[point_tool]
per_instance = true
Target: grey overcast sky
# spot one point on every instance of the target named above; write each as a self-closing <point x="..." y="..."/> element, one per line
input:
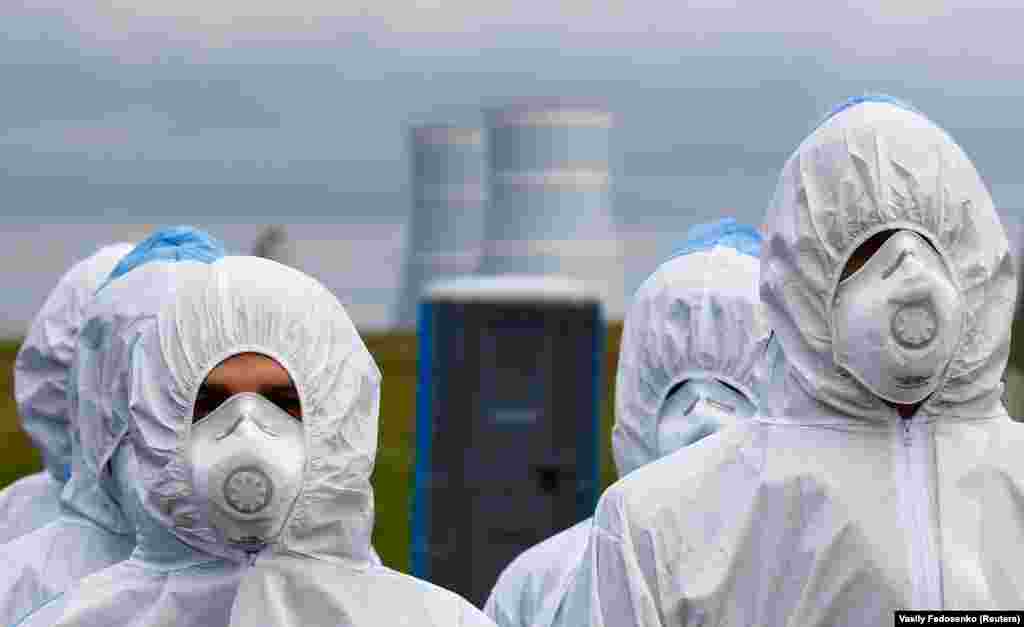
<point x="120" y="115"/>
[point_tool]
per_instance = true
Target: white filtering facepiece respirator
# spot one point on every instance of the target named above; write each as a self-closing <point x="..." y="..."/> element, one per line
<point x="247" y="459"/>
<point x="697" y="408"/>
<point x="897" y="320"/>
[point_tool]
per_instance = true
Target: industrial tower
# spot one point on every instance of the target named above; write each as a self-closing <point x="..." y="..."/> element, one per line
<point x="550" y="202"/>
<point x="448" y="209"/>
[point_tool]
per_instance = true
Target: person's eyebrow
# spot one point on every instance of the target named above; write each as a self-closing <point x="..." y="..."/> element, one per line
<point x="284" y="389"/>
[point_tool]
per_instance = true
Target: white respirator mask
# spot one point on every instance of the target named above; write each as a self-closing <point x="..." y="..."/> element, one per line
<point x="695" y="410"/>
<point x="897" y="320"/>
<point x="247" y="460"/>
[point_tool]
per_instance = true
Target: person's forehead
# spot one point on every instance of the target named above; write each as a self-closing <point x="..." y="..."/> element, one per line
<point x="248" y="367"/>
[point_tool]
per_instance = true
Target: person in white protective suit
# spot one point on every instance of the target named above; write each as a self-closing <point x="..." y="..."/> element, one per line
<point x="254" y="411"/>
<point x="885" y="473"/>
<point x="691" y="360"/>
<point x="42" y="371"/>
<point x="94" y="529"/>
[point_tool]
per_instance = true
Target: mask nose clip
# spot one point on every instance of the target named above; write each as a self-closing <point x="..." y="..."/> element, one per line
<point x="906" y="257"/>
<point x="247" y="413"/>
<point x="231" y="428"/>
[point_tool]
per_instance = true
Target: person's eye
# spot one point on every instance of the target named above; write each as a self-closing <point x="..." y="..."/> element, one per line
<point x="205" y="403"/>
<point x="289" y="405"/>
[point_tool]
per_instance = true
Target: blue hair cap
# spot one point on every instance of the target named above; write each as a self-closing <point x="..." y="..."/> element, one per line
<point x="175" y="243"/>
<point x="724" y="232"/>
<point x="856" y="100"/>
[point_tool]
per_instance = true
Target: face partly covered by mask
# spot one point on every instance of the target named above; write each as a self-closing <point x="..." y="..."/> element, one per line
<point x="897" y="318"/>
<point x="853" y="339"/>
<point x="697" y="408"/>
<point x="247" y="448"/>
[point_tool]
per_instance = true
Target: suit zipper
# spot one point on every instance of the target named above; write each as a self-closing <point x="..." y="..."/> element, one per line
<point x="915" y="491"/>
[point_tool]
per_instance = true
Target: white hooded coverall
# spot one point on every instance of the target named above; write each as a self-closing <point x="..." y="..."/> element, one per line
<point x="830" y="509"/>
<point x="42" y="371"/>
<point x="671" y="334"/>
<point x="95" y="529"/>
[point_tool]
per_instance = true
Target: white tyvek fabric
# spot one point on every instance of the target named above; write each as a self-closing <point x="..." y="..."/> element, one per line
<point x="28" y="504"/>
<point x="830" y="510"/>
<point x="531" y="588"/>
<point x="42" y="368"/>
<point x="93" y="531"/>
<point x="287" y="589"/>
<point x="248" y="304"/>
<point x="182" y="573"/>
<point x="320" y="572"/>
<point x="698" y="316"/>
<point x="856" y="176"/>
<point x="42" y="371"/>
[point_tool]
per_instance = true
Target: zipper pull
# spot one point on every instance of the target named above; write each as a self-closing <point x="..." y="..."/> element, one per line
<point x="906" y="431"/>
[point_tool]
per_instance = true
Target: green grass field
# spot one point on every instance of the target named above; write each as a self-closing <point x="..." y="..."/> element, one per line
<point x="395" y="353"/>
<point x="19" y="456"/>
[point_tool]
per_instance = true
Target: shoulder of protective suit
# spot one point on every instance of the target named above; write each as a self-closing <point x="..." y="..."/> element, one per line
<point x="645" y="493"/>
<point x="538" y="571"/>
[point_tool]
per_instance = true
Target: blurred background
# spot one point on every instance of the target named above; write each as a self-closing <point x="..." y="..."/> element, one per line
<point x="284" y="128"/>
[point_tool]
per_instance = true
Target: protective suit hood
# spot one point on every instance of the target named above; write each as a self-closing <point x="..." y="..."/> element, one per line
<point x="42" y="369"/>
<point x="300" y="325"/>
<point x="870" y="167"/>
<point x="698" y="316"/>
<point x="320" y="570"/>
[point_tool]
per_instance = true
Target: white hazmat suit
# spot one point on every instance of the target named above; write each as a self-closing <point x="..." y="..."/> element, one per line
<point x="831" y="509"/>
<point x="321" y="569"/>
<point x="694" y="323"/>
<point x="42" y="371"/>
<point x="95" y="528"/>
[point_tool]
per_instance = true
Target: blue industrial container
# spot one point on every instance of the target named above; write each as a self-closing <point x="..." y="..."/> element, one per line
<point x="508" y="410"/>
